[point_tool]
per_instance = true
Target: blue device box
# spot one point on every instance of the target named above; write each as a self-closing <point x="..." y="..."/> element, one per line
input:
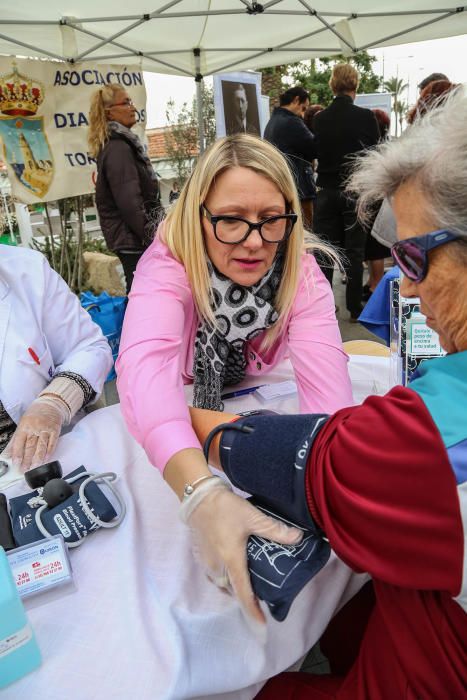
<point x="19" y="653"/>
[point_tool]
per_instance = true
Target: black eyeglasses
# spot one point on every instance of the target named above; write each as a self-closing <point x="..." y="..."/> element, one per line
<point x="233" y="229"/>
<point x="412" y="254"/>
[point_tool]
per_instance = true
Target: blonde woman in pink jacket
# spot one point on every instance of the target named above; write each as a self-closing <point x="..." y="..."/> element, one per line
<point x="226" y="290"/>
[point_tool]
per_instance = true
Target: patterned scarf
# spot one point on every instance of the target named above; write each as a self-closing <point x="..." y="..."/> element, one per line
<point x="242" y="313"/>
<point x="128" y="135"/>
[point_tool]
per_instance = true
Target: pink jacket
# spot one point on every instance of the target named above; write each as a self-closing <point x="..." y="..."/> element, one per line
<point x="156" y="352"/>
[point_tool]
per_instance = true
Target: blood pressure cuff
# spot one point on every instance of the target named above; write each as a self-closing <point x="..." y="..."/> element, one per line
<point x="266" y="456"/>
<point x="67" y="519"/>
<point x="269" y="461"/>
<point x="279" y="572"/>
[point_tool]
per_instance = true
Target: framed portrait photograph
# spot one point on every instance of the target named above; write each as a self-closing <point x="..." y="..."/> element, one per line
<point x="237" y="103"/>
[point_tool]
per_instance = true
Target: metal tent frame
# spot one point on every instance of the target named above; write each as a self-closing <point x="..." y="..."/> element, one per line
<point x="197" y="53"/>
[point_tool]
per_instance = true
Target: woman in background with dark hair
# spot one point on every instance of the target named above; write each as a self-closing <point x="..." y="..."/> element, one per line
<point x="384" y="123"/>
<point x="310" y="114"/>
<point x="287" y="132"/>
<point x="432" y="95"/>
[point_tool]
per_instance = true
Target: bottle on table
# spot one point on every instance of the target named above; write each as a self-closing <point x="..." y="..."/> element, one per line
<point x="19" y="653"/>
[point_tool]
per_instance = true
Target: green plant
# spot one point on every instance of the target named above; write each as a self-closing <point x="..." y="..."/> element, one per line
<point x="314" y="75"/>
<point x="181" y="138"/>
<point x="400" y="110"/>
<point x="65" y="250"/>
<point x="396" y="87"/>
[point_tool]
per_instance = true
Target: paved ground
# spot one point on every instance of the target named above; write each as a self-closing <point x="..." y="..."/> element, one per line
<point x="349" y="331"/>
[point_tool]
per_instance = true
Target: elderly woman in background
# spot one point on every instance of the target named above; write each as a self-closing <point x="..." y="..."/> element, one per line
<point x="54" y="359"/>
<point x="225" y="291"/>
<point x="127" y="190"/>
<point x="392" y="503"/>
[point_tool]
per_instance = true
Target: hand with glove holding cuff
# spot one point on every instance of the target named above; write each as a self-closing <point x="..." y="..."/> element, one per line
<point x="222" y="523"/>
<point x="265" y="455"/>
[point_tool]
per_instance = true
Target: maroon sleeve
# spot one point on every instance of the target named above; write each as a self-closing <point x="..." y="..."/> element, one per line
<point x="380" y="485"/>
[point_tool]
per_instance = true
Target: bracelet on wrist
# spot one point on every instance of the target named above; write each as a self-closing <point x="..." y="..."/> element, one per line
<point x="191" y="501"/>
<point x="189" y="488"/>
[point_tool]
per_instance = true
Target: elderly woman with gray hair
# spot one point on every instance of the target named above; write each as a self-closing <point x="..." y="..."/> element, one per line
<point x="392" y="501"/>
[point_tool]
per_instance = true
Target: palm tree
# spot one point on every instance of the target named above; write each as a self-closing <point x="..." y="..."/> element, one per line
<point x="396" y="87"/>
<point x="400" y="110"/>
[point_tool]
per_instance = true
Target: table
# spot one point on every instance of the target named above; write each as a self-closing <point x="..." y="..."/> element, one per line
<point x="144" y="622"/>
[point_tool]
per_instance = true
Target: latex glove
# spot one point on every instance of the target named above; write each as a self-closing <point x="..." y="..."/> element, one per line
<point x="37" y="432"/>
<point x="222" y="523"/>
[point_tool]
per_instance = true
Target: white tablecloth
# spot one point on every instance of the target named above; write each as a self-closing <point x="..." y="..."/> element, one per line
<point x="144" y="623"/>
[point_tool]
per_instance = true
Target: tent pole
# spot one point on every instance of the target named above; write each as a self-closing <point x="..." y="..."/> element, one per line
<point x="372" y="44"/>
<point x="37" y="51"/>
<point x="199" y="102"/>
<point x="199" y="98"/>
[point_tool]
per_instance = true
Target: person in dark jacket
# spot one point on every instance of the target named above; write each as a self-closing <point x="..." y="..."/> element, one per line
<point x="127" y="190"/>
<point x="341" y="130"/>
<point x="287" y="131"/>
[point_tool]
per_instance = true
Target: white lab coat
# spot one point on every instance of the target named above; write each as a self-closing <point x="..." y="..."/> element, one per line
<point x="38" y="311"/>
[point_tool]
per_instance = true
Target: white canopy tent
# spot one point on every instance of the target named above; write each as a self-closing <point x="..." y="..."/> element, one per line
<point x="189" y="37"/>
<point x="201" y="37"/>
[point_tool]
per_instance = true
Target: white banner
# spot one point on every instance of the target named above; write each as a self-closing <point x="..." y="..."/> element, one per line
<point x="44" y="107"/>
<point x="375" y="100"/>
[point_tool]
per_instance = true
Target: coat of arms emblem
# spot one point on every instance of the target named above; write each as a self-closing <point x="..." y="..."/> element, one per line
<point x="25" y="144"/>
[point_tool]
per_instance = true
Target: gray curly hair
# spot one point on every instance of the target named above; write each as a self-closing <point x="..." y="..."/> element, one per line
<point x="432" y="154"/>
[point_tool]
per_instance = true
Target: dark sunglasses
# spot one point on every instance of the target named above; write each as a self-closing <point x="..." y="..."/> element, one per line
<point x="411" y="254"/>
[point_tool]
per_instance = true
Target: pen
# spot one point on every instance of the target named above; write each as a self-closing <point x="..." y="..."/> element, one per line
<point x="34" y="356"/>
<point x="241" y="392"/>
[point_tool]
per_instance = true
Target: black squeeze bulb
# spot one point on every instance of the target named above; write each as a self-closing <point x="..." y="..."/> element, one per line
<point x="6" y="533"/>
<point x="56" y="491"/>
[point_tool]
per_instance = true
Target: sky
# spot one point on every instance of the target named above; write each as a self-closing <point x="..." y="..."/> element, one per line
<point x="411" y="62"/>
